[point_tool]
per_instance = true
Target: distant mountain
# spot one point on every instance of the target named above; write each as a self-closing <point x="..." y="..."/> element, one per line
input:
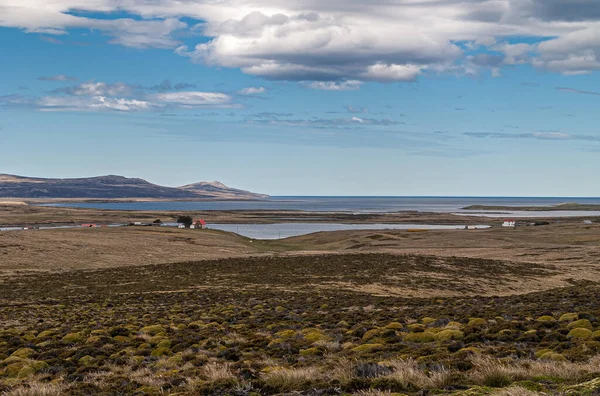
<point x="111" y="187"/>
<point x="220" y="190"/>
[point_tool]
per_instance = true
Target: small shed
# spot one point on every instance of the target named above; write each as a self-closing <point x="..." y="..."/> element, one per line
<point x="588" y="222"/>
<point x="89" y="225"/>
<point x="181" y="226"/>
<point x="509" y="223"/>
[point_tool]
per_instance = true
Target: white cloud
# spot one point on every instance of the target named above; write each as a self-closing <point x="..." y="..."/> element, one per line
<point x="93" y="103"/>
<point x="194" y="99"/>
<point x="337" y="40"/>
<point x="252" y="91"/>
<point x="101" y="89"/>
<point x="350" y="85"/>
<point x="58" y="78"/>
<point x="101" y="96"/>
<point x="551" y="135"/>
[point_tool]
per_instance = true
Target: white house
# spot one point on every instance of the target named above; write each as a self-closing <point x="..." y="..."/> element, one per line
<point x="509" y="223"/>
<point x="181" y="226"/>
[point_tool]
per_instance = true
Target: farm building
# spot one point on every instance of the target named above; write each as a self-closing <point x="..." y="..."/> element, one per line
<point x="509" y="223"/>
<point x="198" y="224"/>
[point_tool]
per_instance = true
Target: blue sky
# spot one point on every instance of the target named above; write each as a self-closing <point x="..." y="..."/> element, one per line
<point x="304" y="98"/>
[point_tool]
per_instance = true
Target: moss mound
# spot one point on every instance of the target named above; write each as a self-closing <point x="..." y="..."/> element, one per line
<point x="580" y="333"/>
<point x="581" y="324"/>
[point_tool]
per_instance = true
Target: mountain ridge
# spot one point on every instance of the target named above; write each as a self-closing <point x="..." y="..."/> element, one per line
<point x="113" y="187"/>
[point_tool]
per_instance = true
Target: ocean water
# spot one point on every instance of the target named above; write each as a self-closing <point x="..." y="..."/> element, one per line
<point x="357" y="205"/>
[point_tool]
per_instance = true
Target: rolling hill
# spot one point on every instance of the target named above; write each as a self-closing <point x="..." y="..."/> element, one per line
<point x="113" y="187"/>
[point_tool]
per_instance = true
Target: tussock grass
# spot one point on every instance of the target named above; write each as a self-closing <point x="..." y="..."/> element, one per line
<point x="35" y="388"/>
<point x="288" y="380"/>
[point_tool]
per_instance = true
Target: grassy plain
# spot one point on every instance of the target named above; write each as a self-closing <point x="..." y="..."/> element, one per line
<point x="152" y="311"/>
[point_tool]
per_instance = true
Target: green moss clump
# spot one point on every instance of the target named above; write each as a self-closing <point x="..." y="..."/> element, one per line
<point x="370" y="334"/>
<point x="416" y="328"/>
<point x="425" y="336"/>
<point x="427" y="321"/>
<point x="72" y="338"/>
<point x="45" y="335"/>
<point x="161" y="351"/>
<point x="580" y="333"/>
<point x="23" y="353"/>
<point x="286" y="333"/>
<point x="568" y="317"/>
<point x="93" y="340"/>
<point x="596" y="335"/>
<point x="121" y="338"/>
<point x="86" y="360"/>
<point x="394" y="326"/>
<point x="454" y="325"/>
<point x="23" y="368"/>
<point x="475" y="322"/>
<point x="449" y="334"/>
<point x="581" y="324"/>
<point x="153" y="330"/>
<point x="311" y="352"/>
<point x="546" y="318"/>
<point x="314" y="335"/>
<point x="367" y="348"/>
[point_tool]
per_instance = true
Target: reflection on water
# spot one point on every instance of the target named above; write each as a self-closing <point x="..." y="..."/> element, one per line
<point x="286" y="230"/>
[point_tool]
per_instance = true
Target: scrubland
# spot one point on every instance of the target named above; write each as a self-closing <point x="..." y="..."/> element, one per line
<point x="306" y="324"/>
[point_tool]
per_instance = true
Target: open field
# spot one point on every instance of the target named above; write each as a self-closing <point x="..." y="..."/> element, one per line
<point x="23" y="214"/>
<point x="143" y="310"/>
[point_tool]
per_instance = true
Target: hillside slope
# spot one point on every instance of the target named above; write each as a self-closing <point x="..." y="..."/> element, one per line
<point x="219" y="189"/>
<point x="109" y="187"/>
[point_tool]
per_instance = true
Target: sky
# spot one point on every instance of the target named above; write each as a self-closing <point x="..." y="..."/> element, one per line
<point x="306" y="97"/>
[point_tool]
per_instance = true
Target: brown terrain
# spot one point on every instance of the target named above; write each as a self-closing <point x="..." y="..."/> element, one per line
<point x="561" y="253"/>
<point x="159" y="311"/>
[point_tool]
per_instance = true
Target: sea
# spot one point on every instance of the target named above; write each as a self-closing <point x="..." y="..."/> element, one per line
<point x="361" y="205"/>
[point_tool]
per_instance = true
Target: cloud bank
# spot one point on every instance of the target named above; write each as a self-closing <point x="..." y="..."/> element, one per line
<point x="337" y="44"/>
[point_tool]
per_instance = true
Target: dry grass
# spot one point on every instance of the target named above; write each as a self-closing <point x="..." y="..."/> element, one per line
<point x="489" y="371"/>
<point x="35" y="388"/>
<point x="410" y="375"/>
<point x="218" y="372"/>
<point x="287" y="380"/>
